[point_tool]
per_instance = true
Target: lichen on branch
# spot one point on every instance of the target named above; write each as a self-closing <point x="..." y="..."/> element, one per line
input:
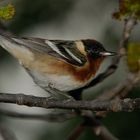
<point x="127" y="8"/>
<point x="7" y="12"/>
<point x="133" y="57"/>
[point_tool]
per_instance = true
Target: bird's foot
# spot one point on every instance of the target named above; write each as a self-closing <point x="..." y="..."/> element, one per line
<point x="59" y="95"/>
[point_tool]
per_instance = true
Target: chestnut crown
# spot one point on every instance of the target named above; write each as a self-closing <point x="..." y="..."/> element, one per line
<point x="96" y="49"/>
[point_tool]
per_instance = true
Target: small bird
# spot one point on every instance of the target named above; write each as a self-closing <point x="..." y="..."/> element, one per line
<point x="57" y="65"/>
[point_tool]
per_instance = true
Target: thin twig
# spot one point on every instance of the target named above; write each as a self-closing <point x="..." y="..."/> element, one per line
<point x="76" y="132"/>
<point x="103" y="133"/>
<point x="98" y="129"/>
<point x="128" y="26"/>
<point x="122" y="89"/>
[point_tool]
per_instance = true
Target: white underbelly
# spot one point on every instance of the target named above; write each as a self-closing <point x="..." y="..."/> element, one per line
<point x="62" y="83"/>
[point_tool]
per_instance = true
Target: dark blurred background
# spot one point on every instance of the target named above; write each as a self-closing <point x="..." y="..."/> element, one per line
<point x="65" y="19"/>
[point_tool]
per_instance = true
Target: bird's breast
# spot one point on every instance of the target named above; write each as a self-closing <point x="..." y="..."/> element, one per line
<point x="86" y="73"/>
<point x="60" y="75"/>
<point x="59" y="82"/>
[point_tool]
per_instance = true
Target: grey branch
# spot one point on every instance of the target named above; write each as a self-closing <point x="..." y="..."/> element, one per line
<point x="50" y="117"/>
<point x="103" y="133"/>
<point x="95" y="105"/>
<point x="76" y="132"/>
<point x="98" y="129"/>
<point x="122" y="89"/>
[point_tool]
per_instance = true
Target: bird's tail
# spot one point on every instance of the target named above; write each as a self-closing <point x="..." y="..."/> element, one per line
<point x="5" y="37"/>
<point x="7" y="41"/>
<point x="4" y="31"/>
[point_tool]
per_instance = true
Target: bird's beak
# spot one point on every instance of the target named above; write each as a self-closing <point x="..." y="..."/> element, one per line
<point x="107" y="53"/>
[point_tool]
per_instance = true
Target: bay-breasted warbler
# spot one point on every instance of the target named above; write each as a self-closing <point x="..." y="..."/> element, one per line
<point x="63" y="65"/>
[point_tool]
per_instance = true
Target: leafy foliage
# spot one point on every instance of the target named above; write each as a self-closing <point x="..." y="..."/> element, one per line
<point x="133" y="58"/>
<point x="7" y="12"/>
<point x="127" y="8"/>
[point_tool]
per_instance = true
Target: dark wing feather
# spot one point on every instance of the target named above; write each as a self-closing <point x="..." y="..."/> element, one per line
<point x="64" y="50"/>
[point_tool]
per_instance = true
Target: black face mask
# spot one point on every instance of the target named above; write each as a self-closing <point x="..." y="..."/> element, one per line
<point x="94" y="48"/>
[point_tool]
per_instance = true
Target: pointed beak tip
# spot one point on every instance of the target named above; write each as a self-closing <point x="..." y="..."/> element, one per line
<point x="108" y="53"/>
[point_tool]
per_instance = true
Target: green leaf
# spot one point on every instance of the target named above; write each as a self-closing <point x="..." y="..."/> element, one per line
<point x="133" y="58"/>
<point x="7" y="12"/>
<point x="127" y="8"/>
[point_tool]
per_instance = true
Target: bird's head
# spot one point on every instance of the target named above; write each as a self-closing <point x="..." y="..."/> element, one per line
<point x="96" y="50"/>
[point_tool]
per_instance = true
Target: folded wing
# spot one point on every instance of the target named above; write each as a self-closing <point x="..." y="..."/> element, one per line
<point x="64" y="50"/>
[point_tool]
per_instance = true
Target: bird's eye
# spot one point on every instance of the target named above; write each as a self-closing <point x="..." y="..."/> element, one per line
<point x="96" y="54"/>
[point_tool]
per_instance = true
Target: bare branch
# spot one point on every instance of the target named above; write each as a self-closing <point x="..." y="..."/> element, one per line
<point x="95" y="105"/>
<point x="123" y="88"/>
<point x="76" y="132"/>
<point x="50" y="117"/>
<point x="98" y="129"/>
<point x="103" y="133"/>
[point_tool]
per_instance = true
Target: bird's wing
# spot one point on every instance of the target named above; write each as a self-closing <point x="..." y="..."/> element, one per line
<point x="64" y="50"/>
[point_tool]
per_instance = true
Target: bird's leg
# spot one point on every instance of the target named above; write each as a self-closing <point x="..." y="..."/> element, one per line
<point x="76" y="94"/>
<point x="58" y="95"/>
